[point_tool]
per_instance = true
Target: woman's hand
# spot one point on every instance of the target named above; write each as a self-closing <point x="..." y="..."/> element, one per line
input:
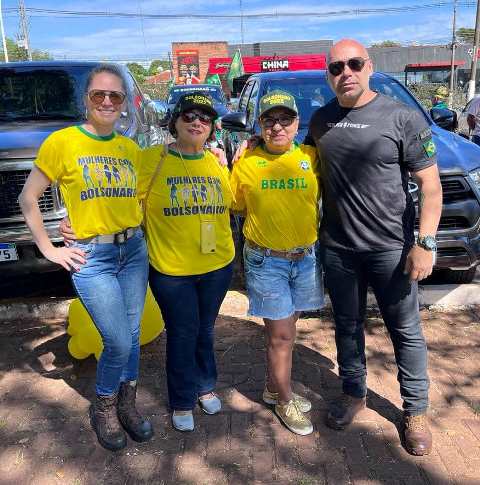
<point x="69" y="258"/>
<point x="220" y="154"/>
<point x="249" y="144"/>
<point x="66" y="231"/>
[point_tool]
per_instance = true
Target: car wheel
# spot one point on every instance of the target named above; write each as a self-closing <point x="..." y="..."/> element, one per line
<point x="460" y="276"/>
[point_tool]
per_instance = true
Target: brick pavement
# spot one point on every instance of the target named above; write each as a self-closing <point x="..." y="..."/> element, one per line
<point x="45" y="437"/>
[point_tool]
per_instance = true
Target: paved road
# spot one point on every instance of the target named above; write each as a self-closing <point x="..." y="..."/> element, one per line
<point x="44" y="396"/>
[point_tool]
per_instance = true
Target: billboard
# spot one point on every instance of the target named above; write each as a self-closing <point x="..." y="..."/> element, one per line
<point x="188" y="66"/>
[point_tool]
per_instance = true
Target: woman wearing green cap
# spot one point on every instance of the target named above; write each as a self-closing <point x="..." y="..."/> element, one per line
<point x="187" y="197"/>
<point x="275" y="183"/>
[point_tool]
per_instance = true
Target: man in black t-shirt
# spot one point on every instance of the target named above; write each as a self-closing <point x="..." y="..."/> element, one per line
<point x="368" y="144"/>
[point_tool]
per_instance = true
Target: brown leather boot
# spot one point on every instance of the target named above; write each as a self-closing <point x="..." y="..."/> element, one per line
<point x="417" y="435"/>
<point x="138" y="428"/>
<point x="343" y="411"/>
<point x="103" y="417"/>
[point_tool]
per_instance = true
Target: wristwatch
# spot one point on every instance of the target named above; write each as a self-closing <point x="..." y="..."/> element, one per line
<point x="429" y="243"/>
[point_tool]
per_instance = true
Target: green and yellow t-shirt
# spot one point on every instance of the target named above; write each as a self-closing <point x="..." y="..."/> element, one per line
<point x="183" y="194"/>
<point x="280" y="194"/>
<point x="97" y="179"/>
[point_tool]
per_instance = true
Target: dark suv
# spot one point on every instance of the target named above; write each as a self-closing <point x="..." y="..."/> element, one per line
<point x="458" y="159"/>
<point x="37" y="98"/>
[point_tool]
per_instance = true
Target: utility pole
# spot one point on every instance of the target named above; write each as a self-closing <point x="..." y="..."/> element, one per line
<point x="473" y="68"/>
<point x="23" y="36"/>
<point x="241" y="22"/>
<point x="4" y="40"/>
<point x="452" y="61"/>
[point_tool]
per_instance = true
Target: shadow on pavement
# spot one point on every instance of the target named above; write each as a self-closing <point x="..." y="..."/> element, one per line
<point x="45" y="436"/>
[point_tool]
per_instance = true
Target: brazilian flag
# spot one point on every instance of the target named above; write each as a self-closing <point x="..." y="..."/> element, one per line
<point x="213" y="79"/>
<point x="235" y="69"/>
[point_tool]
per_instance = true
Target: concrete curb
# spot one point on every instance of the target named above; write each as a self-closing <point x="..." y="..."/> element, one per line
<point x="438" y="297"/>
<point x="35" y="308"/>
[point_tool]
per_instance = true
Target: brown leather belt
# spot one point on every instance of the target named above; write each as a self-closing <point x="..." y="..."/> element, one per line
<point x="296" y="254"/>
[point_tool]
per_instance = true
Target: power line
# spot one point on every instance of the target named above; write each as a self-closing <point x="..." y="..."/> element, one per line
<point x="334" y="13"/>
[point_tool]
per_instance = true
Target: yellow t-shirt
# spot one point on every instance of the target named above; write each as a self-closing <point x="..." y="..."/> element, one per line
<point x="280" y="194"/>
<point x="182" y="195"/>
<point x="97" y="179"/>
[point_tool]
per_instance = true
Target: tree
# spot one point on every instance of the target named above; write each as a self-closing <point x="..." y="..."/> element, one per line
<point x="138" y="71"/>
<point x="157" y="66"/>
<point x="17" y="53"/>
<point x="386" y="43"/>
<point x="465" y="34"/>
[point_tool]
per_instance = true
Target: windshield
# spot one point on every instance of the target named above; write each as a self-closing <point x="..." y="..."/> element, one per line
<point x="47" y="93"/>
<point x="311" y="93"/>
<point x="213" y="91"/>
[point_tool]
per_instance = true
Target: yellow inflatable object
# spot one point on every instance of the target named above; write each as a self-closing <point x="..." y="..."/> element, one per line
<point x="85" y="339"/>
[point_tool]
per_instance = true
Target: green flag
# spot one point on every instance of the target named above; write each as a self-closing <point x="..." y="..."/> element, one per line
<point x="235" y="69"/>
<point x="213" y="79"/>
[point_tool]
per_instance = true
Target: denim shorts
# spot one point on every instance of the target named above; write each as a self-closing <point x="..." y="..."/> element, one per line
<point x="278" y="287"/>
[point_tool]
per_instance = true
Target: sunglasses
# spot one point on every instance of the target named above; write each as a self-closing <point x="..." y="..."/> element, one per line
<point x="269" y="122"/>
<point x="191" y="116"/>
<point x="355" y="64"/>
<point x="97" y="96"/>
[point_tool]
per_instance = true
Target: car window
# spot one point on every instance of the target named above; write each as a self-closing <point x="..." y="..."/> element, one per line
<point x="309" y="94"/>
<point x="42" y="93"/>
<point x="394" y="89"/>
<point x="244" y="97"/>
<point x="252" y="103"/>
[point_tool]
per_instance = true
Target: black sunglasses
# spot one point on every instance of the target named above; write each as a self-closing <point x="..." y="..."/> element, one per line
<point x="355" y="64"/>
<point x="270" y="122"/>
<point x="191" y="116"/>
<point x="97" y="96"/>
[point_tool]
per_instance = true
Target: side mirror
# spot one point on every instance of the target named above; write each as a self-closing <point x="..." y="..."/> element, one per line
<point x="444" y="118"/>
<point x="235" y="121"/>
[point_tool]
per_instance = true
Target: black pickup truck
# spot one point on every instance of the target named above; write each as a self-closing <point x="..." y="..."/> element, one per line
<point x="37" y="98"/>
<point x="458" y="159"/>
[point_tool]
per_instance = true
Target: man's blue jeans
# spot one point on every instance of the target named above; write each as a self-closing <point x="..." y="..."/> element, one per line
<point x="112" y="287"/>
<point x="348" y="274"/>
<point x="189" y="306"/>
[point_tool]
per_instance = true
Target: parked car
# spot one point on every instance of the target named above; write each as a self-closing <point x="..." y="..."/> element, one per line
<point x="214" y="91"/>
<point x="37" y="98"/>
<point x="458" y="159"/>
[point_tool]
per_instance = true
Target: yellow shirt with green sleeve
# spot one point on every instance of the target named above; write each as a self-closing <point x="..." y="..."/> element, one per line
<point x="280" y="195"/>
<point x="97" y="176"/>
<point x="183" y="194"/>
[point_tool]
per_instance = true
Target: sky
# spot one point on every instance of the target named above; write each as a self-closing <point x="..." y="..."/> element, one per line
<point x="108" y="38"/>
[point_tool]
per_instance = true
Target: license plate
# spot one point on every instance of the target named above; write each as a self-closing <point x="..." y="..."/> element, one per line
<point x="8" y="252"/>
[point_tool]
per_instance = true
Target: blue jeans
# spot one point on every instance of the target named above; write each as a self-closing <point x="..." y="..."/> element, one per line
<point x="112" y="285"/>
<point x="189" y="306"/>
<point x="348" y="274"/>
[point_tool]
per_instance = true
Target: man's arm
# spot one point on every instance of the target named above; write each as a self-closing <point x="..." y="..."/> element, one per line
<point x="420" y="261"/>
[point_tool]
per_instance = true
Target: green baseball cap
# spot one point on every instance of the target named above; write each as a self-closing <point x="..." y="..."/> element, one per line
<point x="277" y="99"/>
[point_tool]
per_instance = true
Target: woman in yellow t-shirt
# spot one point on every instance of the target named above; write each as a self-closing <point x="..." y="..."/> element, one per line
<point x="95" y="169"/>
<point x="187" y="199"/>
<point x="276" y="184"/>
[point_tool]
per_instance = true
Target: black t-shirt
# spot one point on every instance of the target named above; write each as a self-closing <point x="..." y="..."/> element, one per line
<point x="366" y="155"/>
